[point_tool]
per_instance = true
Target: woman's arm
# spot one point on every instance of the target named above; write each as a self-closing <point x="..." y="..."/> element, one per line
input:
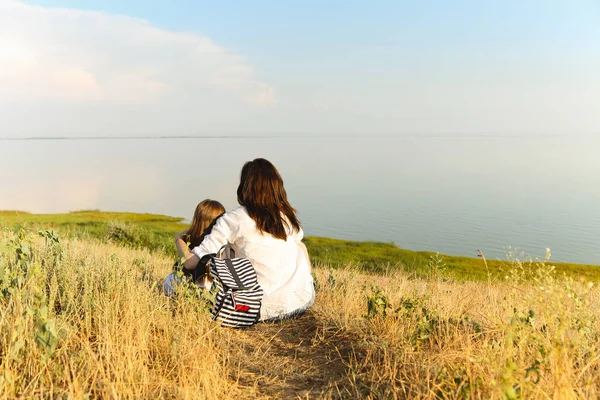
<point x="305" y="251"/>
<point x="225" y="231"/>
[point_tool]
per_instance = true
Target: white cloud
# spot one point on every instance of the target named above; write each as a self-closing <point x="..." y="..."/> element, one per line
<point x="67" y="54"/>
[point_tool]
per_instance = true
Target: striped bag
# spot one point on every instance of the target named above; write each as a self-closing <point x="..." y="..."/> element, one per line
<point x="238" y="295"/>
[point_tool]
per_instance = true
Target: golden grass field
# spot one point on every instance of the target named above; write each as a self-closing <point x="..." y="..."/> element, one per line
<point x="87" y="319"/>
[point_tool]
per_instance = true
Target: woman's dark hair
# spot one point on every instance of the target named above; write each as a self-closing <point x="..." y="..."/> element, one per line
<point x="205" y="216"/>
<point x="261" y="191"/>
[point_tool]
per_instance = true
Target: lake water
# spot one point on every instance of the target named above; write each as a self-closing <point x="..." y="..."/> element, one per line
<point x="452" y="194"/>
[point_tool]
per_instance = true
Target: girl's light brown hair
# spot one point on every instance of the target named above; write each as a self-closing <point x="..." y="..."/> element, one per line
<point x="261" y="191"/>
<point x="205" y="216"/>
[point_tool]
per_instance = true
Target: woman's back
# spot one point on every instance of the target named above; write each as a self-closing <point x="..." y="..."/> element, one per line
<point x="282" y="267"/>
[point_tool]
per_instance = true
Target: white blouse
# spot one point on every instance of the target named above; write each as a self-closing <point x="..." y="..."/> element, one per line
<point x="281" y="265"/>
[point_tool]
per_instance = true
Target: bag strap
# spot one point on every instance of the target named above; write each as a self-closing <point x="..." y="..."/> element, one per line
<point x="216" y="312"/>
<point x="205" y="258"/>
<point x="226" y="251"/>
<point x="231" y="268"/>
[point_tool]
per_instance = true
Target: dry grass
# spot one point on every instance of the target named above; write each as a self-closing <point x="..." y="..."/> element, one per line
<point x="435" y="339"/>
<point x="88" y="320"/>
<point x="114" y="332"/>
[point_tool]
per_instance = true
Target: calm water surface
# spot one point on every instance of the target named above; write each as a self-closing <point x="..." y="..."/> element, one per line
<point x="448" y="194"/>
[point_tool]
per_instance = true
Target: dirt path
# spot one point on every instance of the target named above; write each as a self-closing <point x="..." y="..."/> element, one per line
<point x="300" y="358"/>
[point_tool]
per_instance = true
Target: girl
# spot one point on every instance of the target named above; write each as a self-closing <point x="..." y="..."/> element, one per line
<point x="207" y="211"/>
<point x="205" y="216"/>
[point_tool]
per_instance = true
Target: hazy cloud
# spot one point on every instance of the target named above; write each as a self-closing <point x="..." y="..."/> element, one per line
<point x="76" y="73"/>
<point x="66" y="54"/>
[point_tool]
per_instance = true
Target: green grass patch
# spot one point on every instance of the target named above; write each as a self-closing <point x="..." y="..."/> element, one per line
<point x="152" y="231"/>
<point x="380" y="257"/>
<point x="156" y="232"/>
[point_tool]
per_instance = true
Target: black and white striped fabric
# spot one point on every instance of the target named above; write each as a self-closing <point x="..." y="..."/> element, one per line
<point x="238" y="295"/>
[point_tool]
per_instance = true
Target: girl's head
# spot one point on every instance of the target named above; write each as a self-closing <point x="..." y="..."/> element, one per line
<point x="261" y="191"/>
<point x="207" y="211"/>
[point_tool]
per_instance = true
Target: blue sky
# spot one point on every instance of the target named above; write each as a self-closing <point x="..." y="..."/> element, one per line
<point x="264" y="29"/>
<point x="355" y="66"/>
<point x="355" y="35"/>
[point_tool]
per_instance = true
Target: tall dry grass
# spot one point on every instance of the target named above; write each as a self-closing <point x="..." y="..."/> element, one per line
<point x="88" y="320"/>
<point x="82" y="319"/>
<point x="535" y="335"/>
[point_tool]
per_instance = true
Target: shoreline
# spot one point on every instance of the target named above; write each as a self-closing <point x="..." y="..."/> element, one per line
<point x="155" y="231"/>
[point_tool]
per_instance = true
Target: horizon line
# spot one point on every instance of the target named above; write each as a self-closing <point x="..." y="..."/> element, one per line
<point x="296" y="136"/>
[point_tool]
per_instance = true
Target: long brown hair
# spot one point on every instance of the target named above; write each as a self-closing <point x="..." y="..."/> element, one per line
<point x="261" y="191"/>
<point x="205" y="216"/>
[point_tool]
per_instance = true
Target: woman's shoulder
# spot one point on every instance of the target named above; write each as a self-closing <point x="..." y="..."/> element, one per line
<point x="238" y="212"/>
<point x="239" y="216"/>
<point x="238" y="221"/>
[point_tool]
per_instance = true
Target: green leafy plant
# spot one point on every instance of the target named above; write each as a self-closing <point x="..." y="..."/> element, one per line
<point x="377" y="303"/>
<point x="52" y="242"/>
<point x="45" y="329"/>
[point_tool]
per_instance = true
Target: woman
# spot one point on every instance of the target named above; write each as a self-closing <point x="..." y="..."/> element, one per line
<point x="264" y="229"/>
